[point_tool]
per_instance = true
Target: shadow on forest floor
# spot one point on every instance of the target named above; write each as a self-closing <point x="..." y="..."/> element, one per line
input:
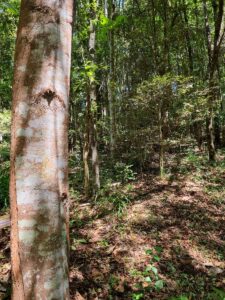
<point x="170" y="241"/>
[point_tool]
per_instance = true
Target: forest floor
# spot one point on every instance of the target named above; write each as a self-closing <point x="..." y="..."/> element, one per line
<point x="167" y="242"/>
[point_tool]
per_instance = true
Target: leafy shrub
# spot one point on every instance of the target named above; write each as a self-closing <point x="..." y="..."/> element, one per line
<point x="148" y="279"/>
<point x="4" y="152"/>
<point x="217" y="294"/>
<point x="113" y="198"/>
<point x="4" y="185"/>
<point x="123" y="172"/>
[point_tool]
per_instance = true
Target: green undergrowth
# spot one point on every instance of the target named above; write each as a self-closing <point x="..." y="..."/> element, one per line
<point x="210" y="176"/>
<point x="4" y="175"/>
<point x="215" y="294"/>
<point x="114" y="198"/>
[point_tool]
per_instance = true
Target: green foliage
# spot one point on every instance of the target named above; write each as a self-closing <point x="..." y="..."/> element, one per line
<point x="113" y="281"/>
<point x="217" y="294"/>
<point x="194" y="160"/>
<point x="4" y="152"/>
<point x="106" y="25"/>
<point x="4" y="184"/>
<point x="10" y="7"/>
<point x="119" y="201"/>
<point x="90" y="69"/>
<point x="159" y="284"/>
<point x="5" y="121"/>
<point x="113" y="199"/>
<point x="123" y="172"/>
<point x="168" y="94"/>
<point x="149" y="278"/>
<point x="137" y="296"/>
<point x="9" y="12"/>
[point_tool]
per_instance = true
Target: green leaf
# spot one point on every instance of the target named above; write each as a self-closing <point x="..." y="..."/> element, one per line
<point x="159" y="284"/>
<point x="148" y="268"/>
<point x="158" y="249"/>
<point x="156" y="258"/>
<point x="148" y="251"/>
<point x="154" y="270"/>
<point x="82" y="241"/>
<point x="104" y="20"/>
<point x="137" y="296"/>
<point x="148" y="279"/>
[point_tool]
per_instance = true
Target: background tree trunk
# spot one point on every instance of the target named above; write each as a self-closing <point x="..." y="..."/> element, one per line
<point x="90" y="137"/>
<point x="213" y="57"/>
<point x="86" y="148"/>
<point x="38" y="187"/>
<point x="93" y="105"/>
<point x="111" y="81"/>
<point x="161" y="141"/>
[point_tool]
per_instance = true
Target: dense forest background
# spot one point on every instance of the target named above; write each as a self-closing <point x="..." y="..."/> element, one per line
<point x="146" y="144"/>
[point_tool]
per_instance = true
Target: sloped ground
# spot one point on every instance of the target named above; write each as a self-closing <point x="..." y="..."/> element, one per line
<point x="173" y="226"/>
<point x="169" y="241"/>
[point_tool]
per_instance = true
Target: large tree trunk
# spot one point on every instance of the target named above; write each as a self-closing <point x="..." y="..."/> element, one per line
<point x="38" y="187"/>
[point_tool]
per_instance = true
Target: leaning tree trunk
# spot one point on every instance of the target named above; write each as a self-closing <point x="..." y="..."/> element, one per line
<point x="38" y="187"/>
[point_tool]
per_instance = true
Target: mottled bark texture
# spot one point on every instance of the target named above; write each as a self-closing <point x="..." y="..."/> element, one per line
<point x="38" y="187"/>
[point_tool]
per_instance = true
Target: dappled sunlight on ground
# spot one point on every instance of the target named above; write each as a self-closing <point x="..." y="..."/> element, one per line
<point x="169" y="241"/>
<point x="177" y="216"/>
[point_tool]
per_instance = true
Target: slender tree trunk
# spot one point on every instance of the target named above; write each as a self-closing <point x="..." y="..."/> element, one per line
<point x="217" y="132"/>
<point x="223" y="136"/>
<point x="197" y="132"/>
<point x="38" y="186"/>
<point x="166" y="39"/>
<point x="91" y="116"/>
<point x="210" y="137"/>
<point x="111" y="81"/>
<point x="213" y="57"/>
<point x="93" y="107"/>
<point x="155" y="36"/>
<point x="188" y="38"/>
<point x="86" y="149"/>
<point x="161" y="142"/>
<point x="95" y="160"/>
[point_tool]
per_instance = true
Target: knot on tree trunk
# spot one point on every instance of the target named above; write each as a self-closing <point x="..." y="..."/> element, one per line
<point x="49" y="95"/>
